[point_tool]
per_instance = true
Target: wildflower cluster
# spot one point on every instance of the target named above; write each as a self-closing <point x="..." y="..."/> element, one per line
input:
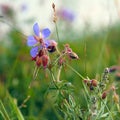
<point x="96" y="91"/>
<point x="41" y="46"/>
<point x="40" y="53"/>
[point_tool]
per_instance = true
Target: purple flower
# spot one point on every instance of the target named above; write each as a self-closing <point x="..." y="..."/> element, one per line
<point x="66" y="14"/>
<point x="24" y="7"/>
<point x="38" y="41"/>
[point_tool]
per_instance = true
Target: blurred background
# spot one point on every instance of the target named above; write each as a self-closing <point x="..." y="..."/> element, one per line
<point x="84" y="24"/>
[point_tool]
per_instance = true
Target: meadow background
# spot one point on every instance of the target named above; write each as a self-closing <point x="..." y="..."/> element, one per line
<point x="94" y="25"/>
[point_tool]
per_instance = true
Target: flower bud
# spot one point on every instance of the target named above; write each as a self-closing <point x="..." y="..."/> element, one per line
<point x="104" y="94"/>
<point x="41" y="53"/>
<point x="44" y="60"/>
<point x="116" y="98"/>
<point x="94" y="83"/>
<point x="91" y="87"/>
<point x="113" y="69"/>
<point x="52" y="47"/>
<point x="113" y="88"/>
<point x="87" y="82"/>
<point x="38" y="61"/>
<point x="61" y="61"/>
<point x="33" y="58"/>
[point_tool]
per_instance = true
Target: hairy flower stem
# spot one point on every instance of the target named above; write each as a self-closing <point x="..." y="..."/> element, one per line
<point x="25" y="100"/>
<point x="53" y="79"/>
<point x="59" y="72"/>
<point x="58" y="39"/>
<point x="35" y="73"/>
<point x="58" y="50"/>
<point x="85" y="57"/>
<point x="56" y="61"/>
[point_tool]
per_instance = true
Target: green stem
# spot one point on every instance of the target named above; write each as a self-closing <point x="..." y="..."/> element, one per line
<point x="58" y="39"/>
<point x="85" y="57"/>
<point x="35" y="73"/>
<point x="58" y="75"/>
<point x="3" y="112"/>
<point x="55" y="62"/>
<point x="53" y="79"/>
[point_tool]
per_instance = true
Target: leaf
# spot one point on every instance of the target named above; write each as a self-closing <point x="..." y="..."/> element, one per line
<point x="9" y="109"/>
<point x="3" y="111"/>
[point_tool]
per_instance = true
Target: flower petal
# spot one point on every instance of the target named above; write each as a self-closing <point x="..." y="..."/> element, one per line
<point x="50" y="43"/>
<point x="34" y="51"/>
<point x="31" y="41"/>
<point x="47" y="43"/>
<point x="45" y="32"/>
<point x="36" y="29"/>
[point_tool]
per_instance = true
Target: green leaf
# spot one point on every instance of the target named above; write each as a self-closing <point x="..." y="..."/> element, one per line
<point x="3" y="111"/>
<point x="9" y="109"/>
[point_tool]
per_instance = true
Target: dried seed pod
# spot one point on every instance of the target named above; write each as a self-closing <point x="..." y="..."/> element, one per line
<point x="73" y="55"/>
<point x="54" y="16"/>
<point x="53" y="6"/>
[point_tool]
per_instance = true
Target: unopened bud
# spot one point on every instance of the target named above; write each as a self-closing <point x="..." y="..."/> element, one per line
<point x="113" y="69"/>
<point x="52" y="47"/>
<point x="116" y="98"/>
<point x="33" y="58"/>
<point x="38" y="61"/>
<point x="104" y="94"/>
<point x="94" y="83"/>
<point x="87" y="82"/>
<point x="113" y="88"/>
<point x="45" y="60"/>
<point x="61" y="61"/>
<point x="41" y="53"/>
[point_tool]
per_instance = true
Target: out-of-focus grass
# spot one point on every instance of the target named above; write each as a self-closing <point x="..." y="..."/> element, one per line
<point x="16" y="68"/>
